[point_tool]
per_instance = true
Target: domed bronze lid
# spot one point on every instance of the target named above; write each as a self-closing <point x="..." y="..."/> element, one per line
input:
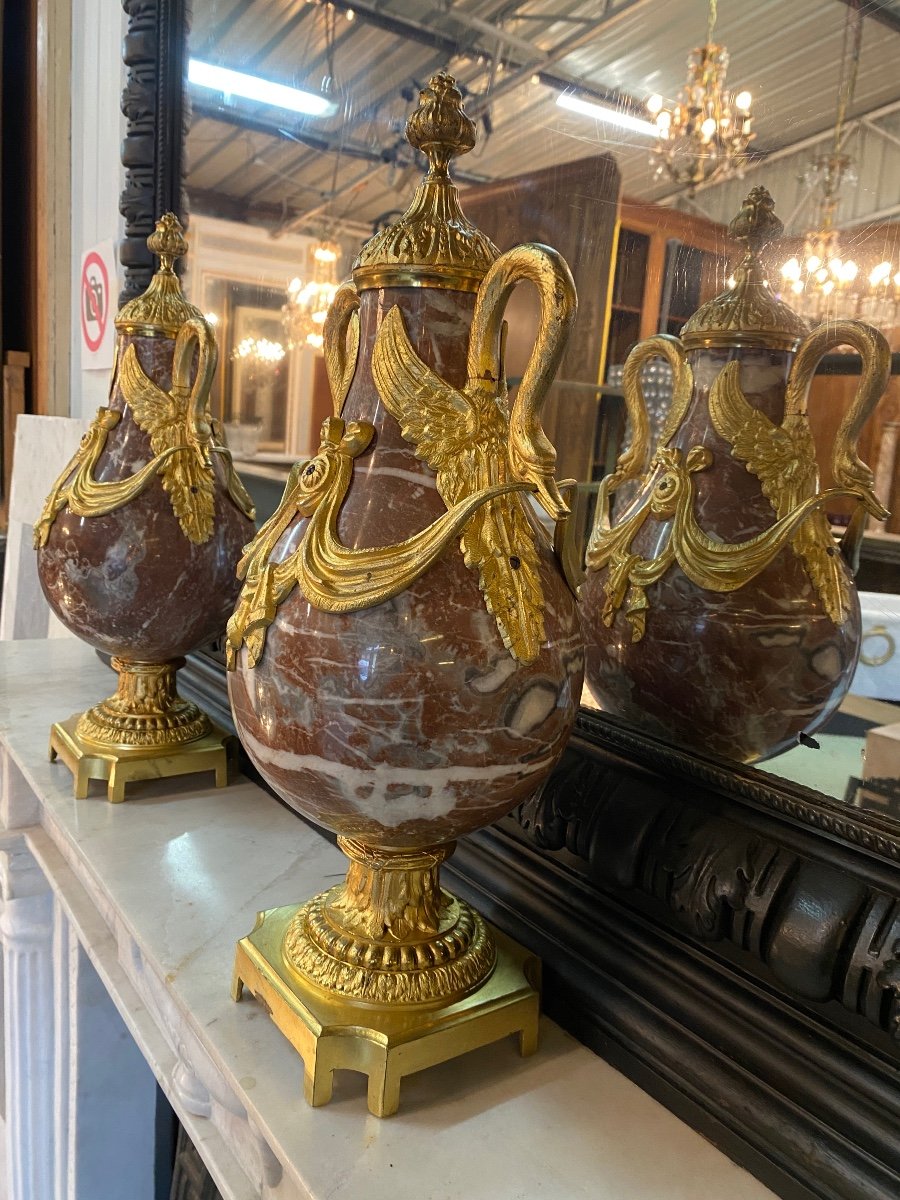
<point x="749" y="314"/>
<point x="163" y="307"/>
<point x="432" y="245"/>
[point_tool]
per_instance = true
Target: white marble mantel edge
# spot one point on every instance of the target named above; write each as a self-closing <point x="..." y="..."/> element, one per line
<point x="174" y="878"/>
<point x="102" y="949"/>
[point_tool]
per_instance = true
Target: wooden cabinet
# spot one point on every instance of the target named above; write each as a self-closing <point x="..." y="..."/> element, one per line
<point x="667" y="264"/>
<point x="627" y="300"/>
<point x="571" y="207"/>
<point x="830" y="396"/>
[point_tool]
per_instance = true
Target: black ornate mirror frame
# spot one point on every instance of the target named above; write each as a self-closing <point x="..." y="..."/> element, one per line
<point x="729" y="941"/>
<point x="155" y="108"/>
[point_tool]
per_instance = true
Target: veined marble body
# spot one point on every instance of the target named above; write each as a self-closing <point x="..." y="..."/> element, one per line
<point x="409" y="723"/>
<point x="738" y="674"/>
<point x="131" y="583"/>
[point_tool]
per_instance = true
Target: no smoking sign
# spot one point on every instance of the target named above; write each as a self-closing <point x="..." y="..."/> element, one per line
<point x="95" y="301"/>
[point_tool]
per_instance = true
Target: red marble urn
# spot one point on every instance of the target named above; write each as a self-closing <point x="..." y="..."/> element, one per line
<point x="406" y="658"/>
<point x="719" y="611"/>
<point x="138" y="540"/>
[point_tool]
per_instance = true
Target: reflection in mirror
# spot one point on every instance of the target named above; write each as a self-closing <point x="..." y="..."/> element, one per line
<point x="296" y="156"/>
<point x="270" y="390"/>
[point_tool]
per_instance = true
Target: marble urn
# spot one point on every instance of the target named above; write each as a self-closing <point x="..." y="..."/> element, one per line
<point x="138" y="540"/>
<point x="719" y="611"/>
<point x="406" y="659"/>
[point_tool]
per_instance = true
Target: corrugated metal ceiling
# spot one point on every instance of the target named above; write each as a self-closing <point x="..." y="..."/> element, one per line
<point x="788" y="55"/>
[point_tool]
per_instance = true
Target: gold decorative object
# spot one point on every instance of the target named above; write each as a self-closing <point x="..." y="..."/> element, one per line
<point x="432" y="245"/>
<point x="890" y="646"/>
<point x="405" y="659"/>
<point x="388" y="1040"/>
<point x="749" y="313"/>
<point x="331" y="576"/>
<point x="481" y="457"/>
<point x="163" y="308"/>
<point x="341" y="340"/>
<point x="138" y="539"/>
<point x="704" y="135"/>
<point x="708" y="562"/>
<point x="145" y="731"/>
<point x="730" y="506"/>
<point x="77" y="488"/>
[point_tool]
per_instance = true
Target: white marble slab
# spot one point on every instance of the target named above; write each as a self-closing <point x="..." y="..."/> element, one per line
<point x="161" y="887"/>
<point x="43" y="446"/>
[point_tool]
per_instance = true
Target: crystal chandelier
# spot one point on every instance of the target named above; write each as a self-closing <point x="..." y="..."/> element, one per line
<point x="703" y="136"/>
<point x="307" y="304"/>
<point x="259" y="350"/>
<point x="824" y="283"/>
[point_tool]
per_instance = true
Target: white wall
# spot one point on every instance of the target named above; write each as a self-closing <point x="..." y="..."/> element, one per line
<point x="98" y="76"/>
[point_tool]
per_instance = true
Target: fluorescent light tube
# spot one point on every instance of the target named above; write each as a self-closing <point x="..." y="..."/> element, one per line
<point x="253" y="87"/>
<point x="588" y="108"/>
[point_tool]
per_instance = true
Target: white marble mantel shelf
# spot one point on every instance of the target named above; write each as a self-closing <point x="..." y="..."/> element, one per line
<point x="156" y="891"/>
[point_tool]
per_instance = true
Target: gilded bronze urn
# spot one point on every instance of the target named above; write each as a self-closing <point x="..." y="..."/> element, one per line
<point x="138" y="541"/>
<point x="406" y="658"/>
<point x="719" y="610"/>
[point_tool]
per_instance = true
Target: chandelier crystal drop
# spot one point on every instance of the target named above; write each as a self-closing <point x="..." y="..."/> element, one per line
<point x="704" y="135"/>
<point x="307" y="304"/>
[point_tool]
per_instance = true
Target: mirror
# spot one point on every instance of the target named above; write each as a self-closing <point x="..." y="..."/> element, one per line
<point x="295" y="155"/>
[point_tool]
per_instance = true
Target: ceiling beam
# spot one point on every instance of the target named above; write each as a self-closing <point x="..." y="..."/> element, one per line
<point x="877" y="11"/>
<point x="612" y="14"/>
<point x="322" y="145"/>
<point x="454" y="47"/>
<point x="881" y="214"/>
<point x="871" y="127"/>
<point x="257" y="59"/>
<point x="298" y="163"/>
<point x="211" y="203"/>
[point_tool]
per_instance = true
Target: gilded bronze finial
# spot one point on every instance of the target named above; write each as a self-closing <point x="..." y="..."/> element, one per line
<point x="440" y="127"/>
<point x="432" y="245"/>
<point x="162" y="309"/>
<point x="749" y="313"/>
<point x="756" y="222"/>
<point x="167" y="241"/>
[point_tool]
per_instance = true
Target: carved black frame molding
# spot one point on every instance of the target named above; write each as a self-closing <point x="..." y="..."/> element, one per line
<point x="731" y="944"/>
<point x="155" y="106"/>
<point x="729" y="941"/>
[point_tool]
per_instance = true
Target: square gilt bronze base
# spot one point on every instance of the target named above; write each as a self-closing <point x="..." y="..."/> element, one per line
<point x="331" y="1033"/>
<point x="119" y="765"/>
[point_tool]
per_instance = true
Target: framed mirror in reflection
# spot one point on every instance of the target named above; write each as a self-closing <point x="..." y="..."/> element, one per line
<point x="271" y="390"/>
<point x="301" y="146"/>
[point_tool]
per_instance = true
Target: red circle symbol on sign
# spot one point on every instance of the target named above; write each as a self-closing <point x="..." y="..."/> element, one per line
<point x="94" y="300"/>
